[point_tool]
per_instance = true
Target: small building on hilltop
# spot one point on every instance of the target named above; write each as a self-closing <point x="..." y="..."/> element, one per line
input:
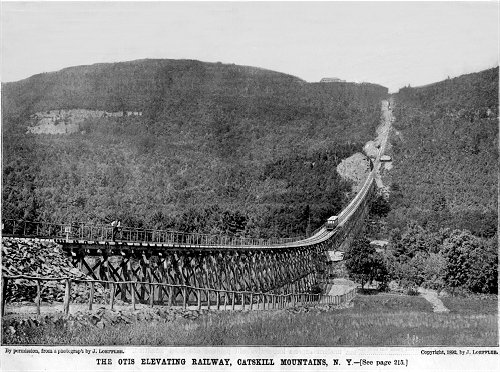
<point x="331" y="80"/>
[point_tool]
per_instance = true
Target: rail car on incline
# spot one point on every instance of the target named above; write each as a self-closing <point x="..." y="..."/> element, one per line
<point x="332" y="222"/>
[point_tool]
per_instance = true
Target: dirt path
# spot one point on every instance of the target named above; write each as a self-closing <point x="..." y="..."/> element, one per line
<point x="432" y="297"/>
<point x="372" y="148"/>
<point x="340" y="286"/>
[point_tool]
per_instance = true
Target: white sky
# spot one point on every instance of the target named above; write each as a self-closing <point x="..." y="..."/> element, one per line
<point x="389" y="43"/>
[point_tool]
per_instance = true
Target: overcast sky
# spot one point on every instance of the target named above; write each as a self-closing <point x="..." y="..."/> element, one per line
<point x="393" y="44"/>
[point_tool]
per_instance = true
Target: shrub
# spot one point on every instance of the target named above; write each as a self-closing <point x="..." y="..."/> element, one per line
<point x="412" y="292"/>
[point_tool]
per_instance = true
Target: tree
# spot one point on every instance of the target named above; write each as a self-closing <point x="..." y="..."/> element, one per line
<point x="483" y="274"/>
<point x="472" y="264"/>
<point x="433" y="271"/>
<point x="439" y="203"/>
<point x="381" y="271"/>
<point x="415" y="239"/>
<point x="456" y="249"/>
<point x="363" y="263"/>
<point x="380" y="206"/>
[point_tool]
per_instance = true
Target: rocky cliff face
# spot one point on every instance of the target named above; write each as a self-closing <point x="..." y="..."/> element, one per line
<point x="68" y="121"/>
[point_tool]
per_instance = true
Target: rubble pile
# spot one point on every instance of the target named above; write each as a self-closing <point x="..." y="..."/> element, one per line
<point x="42" y="259"/>
<point x="16" y="325"/>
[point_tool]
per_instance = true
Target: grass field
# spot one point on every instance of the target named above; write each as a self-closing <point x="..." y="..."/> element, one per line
<point x="461" y="305"/>
<point x="376" y="320"/>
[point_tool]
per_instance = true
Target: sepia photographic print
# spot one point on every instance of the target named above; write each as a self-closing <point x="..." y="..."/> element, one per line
<point x="249" y="186"/>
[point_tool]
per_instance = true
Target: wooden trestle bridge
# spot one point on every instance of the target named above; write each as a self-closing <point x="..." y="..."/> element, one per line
<point x="183" y="261"/>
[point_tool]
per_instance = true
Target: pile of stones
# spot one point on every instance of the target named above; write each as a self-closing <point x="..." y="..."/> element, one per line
<point x="39" y="258"/>
<point x="99" y="318"/>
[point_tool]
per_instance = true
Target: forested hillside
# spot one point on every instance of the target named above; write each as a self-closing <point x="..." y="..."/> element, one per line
<point x="441" y="216"/>
<point x="446" y="155"/>
<point x="218" y="148"/>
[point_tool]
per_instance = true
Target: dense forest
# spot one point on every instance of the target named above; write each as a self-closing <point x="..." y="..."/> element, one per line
<point x="446" y="154"/>
<point x="441" y="215"/>
<point x="218" y="148"/>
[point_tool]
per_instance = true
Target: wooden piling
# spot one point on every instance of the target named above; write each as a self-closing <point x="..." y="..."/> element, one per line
<point x="38" y="296"/>
<point x="184" y="297"/>
<point x="132" y="290"/>
<point x="151" y="295"/>
<point x="67" y="296"/>
<point x="5" y="283"/>
<point x="112" y="298"/>
<point x="170" y="296"/>
<point x="91" y="295"/>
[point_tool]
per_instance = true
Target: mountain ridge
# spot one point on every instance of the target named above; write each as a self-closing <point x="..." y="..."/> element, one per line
<point x="129" y="85"/>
